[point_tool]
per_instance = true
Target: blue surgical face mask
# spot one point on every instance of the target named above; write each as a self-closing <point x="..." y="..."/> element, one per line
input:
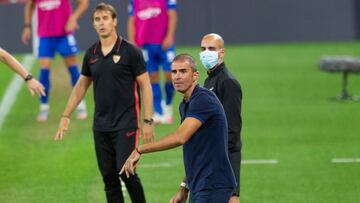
<point x="209" y="58"/>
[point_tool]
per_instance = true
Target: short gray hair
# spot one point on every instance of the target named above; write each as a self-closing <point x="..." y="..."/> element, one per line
<point x="186" y="58"/>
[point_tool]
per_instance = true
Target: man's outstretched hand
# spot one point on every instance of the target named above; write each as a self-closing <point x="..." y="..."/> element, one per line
<point x="130" y="164"/>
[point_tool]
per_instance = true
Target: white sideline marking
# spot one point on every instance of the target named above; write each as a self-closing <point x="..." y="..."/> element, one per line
<point x="169" y="165"/>
<point x="13" y="89"/>
<point x="345" y="160"/>
<point x="159" y="165"/>
<point x="265" y="161"/>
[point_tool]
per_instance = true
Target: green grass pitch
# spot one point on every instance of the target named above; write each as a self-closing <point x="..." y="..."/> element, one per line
<point x="287" y="116"/>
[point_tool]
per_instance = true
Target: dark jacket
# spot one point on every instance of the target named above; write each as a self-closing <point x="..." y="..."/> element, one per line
<point x="228" y="91"/>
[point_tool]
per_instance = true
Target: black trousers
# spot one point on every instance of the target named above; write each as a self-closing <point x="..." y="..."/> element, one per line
<point x="112" y="150"/>
<point x="235" y="160"/>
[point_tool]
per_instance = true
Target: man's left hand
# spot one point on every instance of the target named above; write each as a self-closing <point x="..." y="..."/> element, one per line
<point x="167" y="42"/>
<point x="234" y="199"/>
<point x="35" y="87"/>
<point x="63" y="128"/>
<point x="180" y="197"/>
<point x="147" y="133"/>
<point x="130" y="164"/>
<point x="71" y="24"/>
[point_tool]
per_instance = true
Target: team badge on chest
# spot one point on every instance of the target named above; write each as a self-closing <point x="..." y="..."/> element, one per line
<point x="116" y="58"/>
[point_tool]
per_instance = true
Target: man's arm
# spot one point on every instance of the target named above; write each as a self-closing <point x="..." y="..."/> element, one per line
<point x="28" y="12"/>
<point x="76" y="96"/>
<point x="231" y="100"/>
<point x="131" y="29"/>
<point x="189" y="126"/>
<point x="33" y="85"/>
<point x="181" y="195"/>
<point x="144" y="82"/>
<point x="171" y="28"/>
<point x="72" y="24"/>
<point x="14" y="64"/>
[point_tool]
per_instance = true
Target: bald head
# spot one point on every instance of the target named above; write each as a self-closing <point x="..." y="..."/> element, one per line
<point x="215" y="39"/>
<point x="214" y="43"/>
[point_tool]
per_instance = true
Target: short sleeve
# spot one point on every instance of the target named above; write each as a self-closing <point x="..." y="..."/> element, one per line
<point x="85" y="70"/>
<point x="171" y="4"/>
<point x="137" y="63"/>
<point x="131" y="8"/>
<point x="202" y="107"/>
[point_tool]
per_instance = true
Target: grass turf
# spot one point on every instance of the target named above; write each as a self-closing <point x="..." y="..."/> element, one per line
<point x="287" y="116"/>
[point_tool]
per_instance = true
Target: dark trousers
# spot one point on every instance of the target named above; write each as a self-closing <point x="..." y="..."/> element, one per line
<point x="211" y="196"/>
<point x="235" y="160"/>
<point x="112" y="150"/>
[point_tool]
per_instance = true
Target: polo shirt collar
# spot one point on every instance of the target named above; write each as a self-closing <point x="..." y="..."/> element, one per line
<point x="115" y="49"/>
<point x="196" y="89"/>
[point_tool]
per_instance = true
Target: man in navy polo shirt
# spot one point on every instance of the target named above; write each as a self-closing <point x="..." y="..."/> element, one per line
<point x="203" y="134"/>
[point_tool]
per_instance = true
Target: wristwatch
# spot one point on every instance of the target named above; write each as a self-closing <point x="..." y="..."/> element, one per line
<point x="28" y="77"/>
<point x="184" y="185"/>
<point x="149" y="121"/>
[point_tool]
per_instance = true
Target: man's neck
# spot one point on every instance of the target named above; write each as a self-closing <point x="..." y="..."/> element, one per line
<point x="189" y="92"/>
<point x="215" y="67"/>
<point x="109" y="41"/>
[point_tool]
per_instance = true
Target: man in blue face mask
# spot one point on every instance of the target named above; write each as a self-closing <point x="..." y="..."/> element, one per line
<point x="228" y="91"/>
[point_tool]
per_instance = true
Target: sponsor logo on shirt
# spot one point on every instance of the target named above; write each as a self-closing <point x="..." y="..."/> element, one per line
<point x="49" y="5"/>
<point x="149" y="13"/>
<point x="130" y="133"/>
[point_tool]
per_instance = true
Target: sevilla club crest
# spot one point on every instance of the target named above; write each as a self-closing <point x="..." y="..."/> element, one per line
<point x="116" y="58"/>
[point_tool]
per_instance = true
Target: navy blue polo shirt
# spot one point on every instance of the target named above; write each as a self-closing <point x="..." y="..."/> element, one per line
<point x="206" y="161"/>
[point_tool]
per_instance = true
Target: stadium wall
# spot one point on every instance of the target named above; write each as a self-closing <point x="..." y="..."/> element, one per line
<point x="239" y="21"/>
